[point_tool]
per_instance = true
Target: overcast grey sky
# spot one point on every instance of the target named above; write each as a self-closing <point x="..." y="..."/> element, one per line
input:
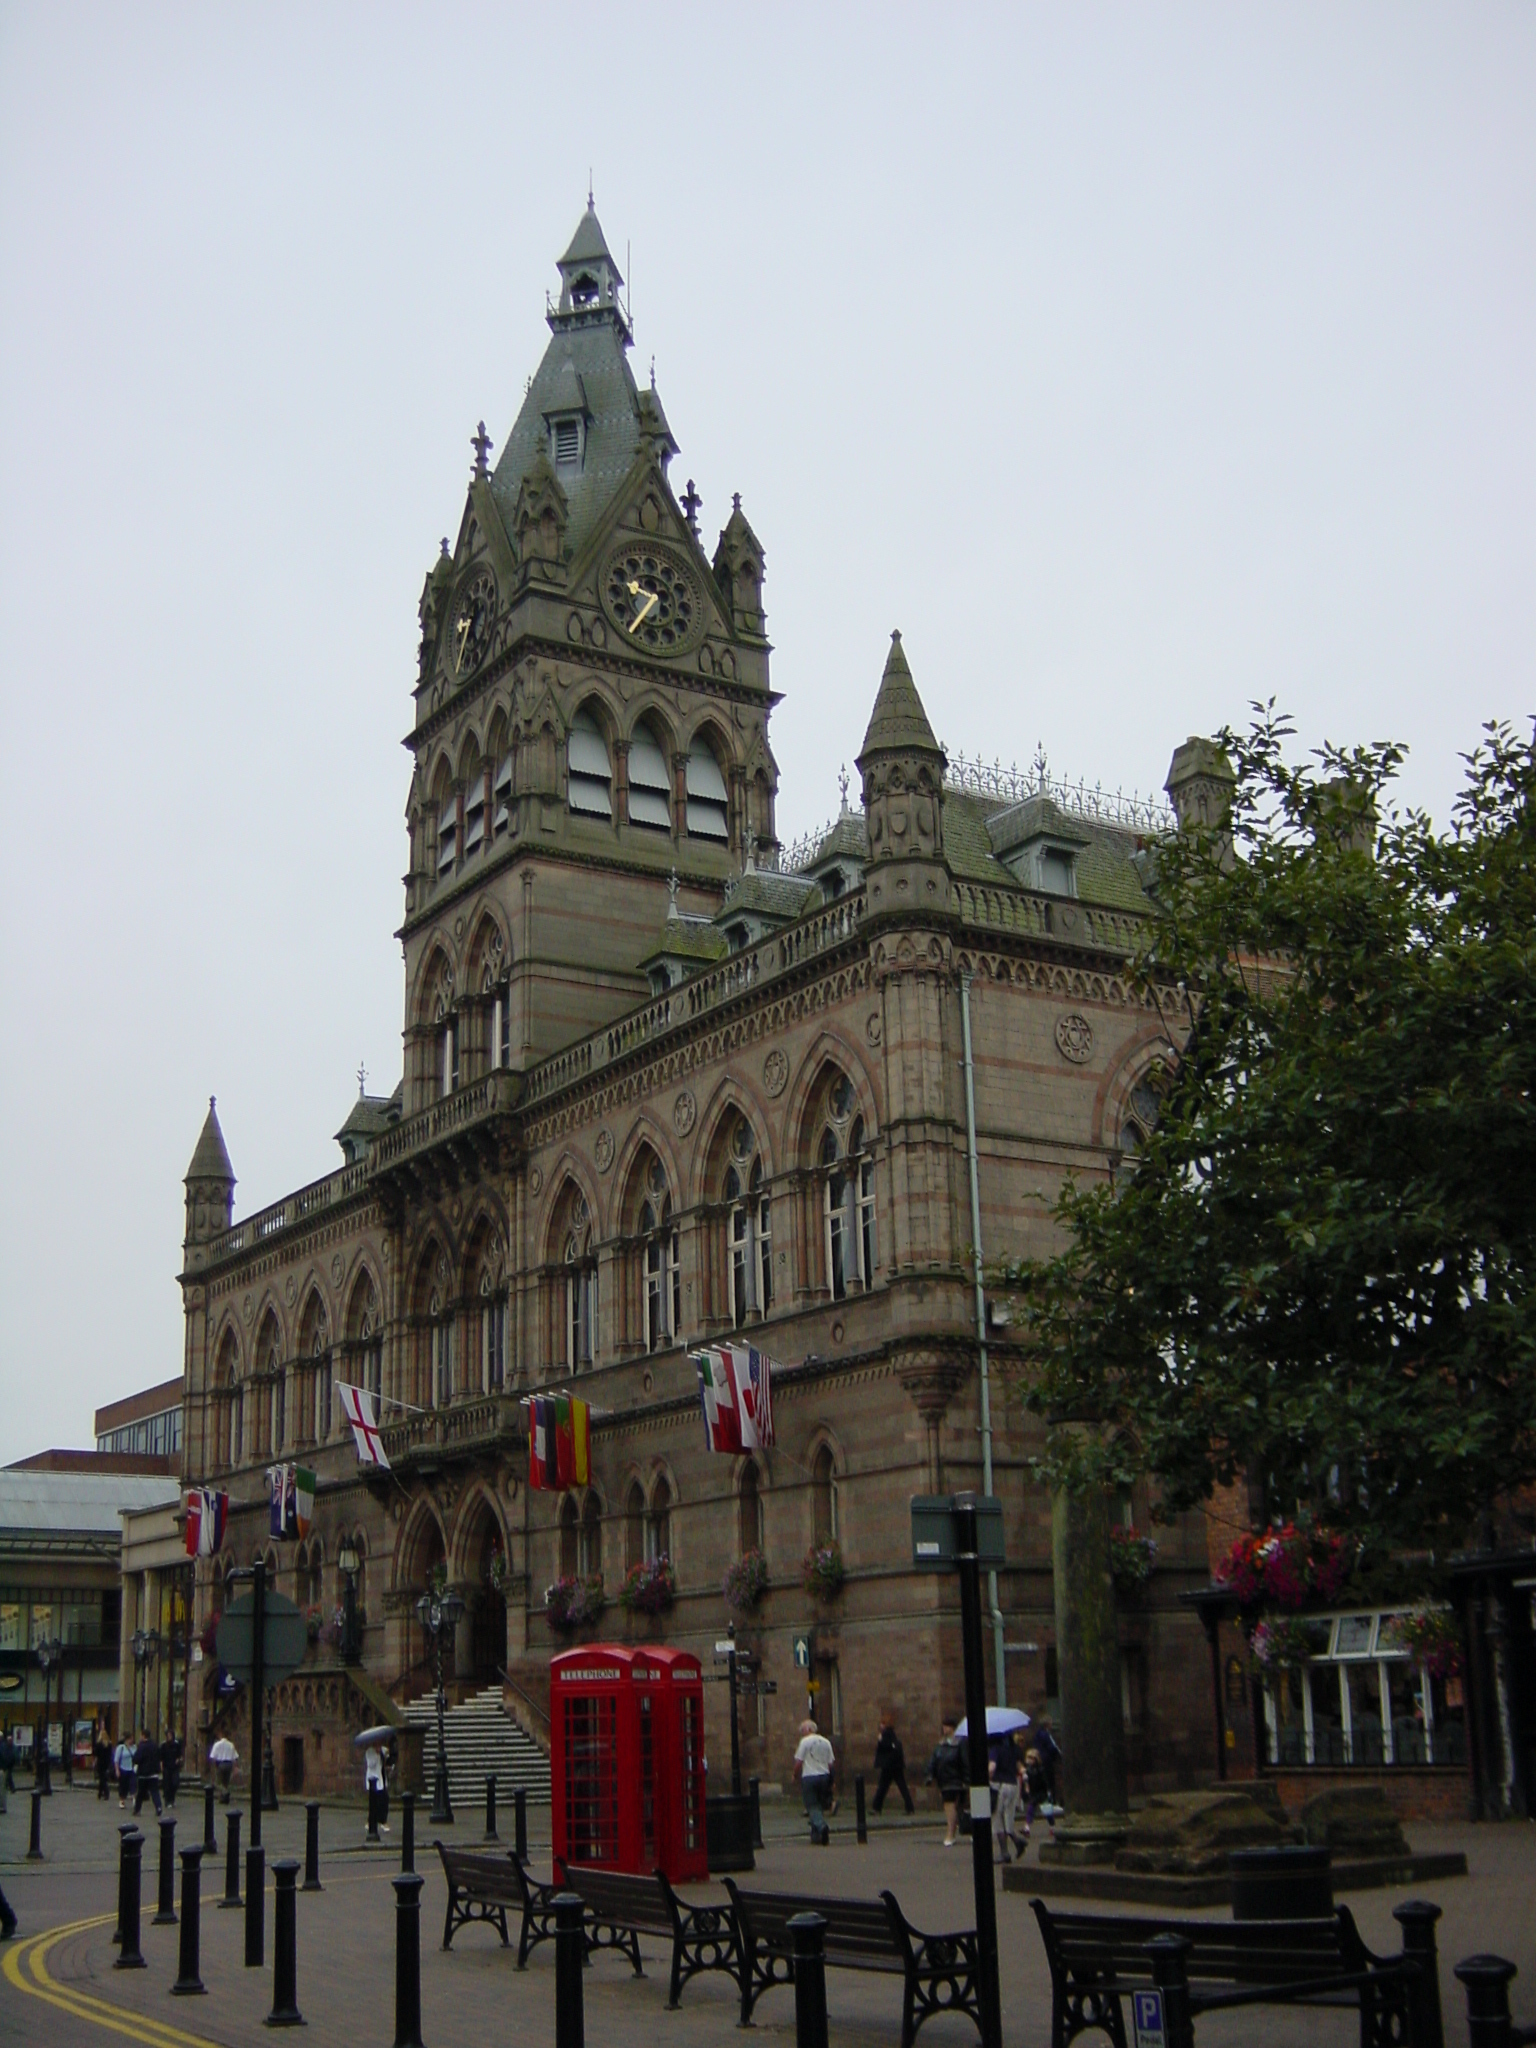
<point x="1136" y="362"/>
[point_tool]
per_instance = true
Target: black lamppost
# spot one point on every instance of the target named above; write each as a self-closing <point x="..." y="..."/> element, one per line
<point x="146" y="1648"/>
<point x="49" y="1652"/>
<point x="439" y="1615"/>
<point x="348" y="1561"/>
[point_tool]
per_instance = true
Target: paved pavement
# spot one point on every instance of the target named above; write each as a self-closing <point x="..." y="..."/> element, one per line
<point x="61" y="1987"/>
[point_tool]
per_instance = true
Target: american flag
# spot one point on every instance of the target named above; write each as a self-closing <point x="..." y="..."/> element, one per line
<point x="736" y="1396"/>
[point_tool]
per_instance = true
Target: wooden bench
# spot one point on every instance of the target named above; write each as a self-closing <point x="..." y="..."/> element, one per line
<point x="620" y="1908"/>
<point x="939" y="1971"/>
<point x="1098" y="1958"/>
<point x="483" y="1887"/>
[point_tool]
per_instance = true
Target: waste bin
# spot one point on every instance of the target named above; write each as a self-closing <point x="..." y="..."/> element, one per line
<point x="728" y="1831"/>
<point x="1281" y="1884"/>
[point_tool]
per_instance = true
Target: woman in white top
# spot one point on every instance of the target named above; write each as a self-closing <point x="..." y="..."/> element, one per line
<point x="813" y="1767"/>
<point x="378" y="1789"/>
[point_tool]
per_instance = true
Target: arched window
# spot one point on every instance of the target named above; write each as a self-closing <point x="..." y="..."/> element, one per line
<point x="474" y="810"/>
<point x="824" y="1504"/>
<point x="226" y="1376"/>
<point x="650" y="781"/>
<point x="708" y="801"/>
<point x="441" y="1350"/>
<point x="570" y="1538"/>
<point x="848" y="1194"/>
<point x="269" y="1354"/>
<point x="590" y="776"/>
<point x="313" y="1575"/>
<point x="1140" y="1115"/>
<point x="365" y="1336"/>
<point x="749" y="1511"/>
<point x="580" y="1255"/>
<point x="493" y="1334"/>
<point x="315" y="1357"/>
<point x="751" y="1227"/>
<point x="634" y="1526"/>
<point x="591" y="1548"/>
<point x="663" y="1265"/>
<point x="501" y="797"/>
<point x="658" y="1523"/>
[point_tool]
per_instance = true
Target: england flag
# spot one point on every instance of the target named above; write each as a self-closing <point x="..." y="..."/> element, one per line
<point x="361" y="1409"/>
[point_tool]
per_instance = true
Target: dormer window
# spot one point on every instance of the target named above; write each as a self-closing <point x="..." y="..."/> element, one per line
<point x="1057" y="870"/>
<point x="565" y="442"/>
<point x="737" y="937"/>
<point x="447" y="835"/>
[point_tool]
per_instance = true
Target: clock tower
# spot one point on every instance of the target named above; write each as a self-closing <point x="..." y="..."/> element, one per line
<point x="591" y="711"/>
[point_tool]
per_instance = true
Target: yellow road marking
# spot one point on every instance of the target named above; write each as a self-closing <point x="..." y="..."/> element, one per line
<point x="32" y="1953"/>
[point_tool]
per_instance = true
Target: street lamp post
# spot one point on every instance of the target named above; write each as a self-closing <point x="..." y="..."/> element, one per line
<point x="146" y="1648"/>
<point x="49" y="1651"/>
<point x="439" y="1615"/>
<point x="349" y="1561"/>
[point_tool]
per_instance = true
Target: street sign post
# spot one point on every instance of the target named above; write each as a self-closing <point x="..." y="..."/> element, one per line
<point x="265" y="1642"/>
<point x="961" y="1532"/>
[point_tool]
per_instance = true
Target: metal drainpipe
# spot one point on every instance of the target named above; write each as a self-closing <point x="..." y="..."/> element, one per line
<point x="998" y="1658"/>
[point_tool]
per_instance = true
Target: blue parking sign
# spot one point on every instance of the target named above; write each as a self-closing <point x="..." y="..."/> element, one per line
<point x="1147" y="2017"/>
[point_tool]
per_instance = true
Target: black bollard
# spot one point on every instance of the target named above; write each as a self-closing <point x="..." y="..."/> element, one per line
<point x="130" y="1956"/>
<point x="210" y="1839"/>
<point x="807" y="1931"/>
<point x="1488" y="1979"/>
<point x="285" y="1946"/>
<point x="255" y="1907"/>
<point x="1417" y="1919"/>
<point x="407" y="1831"/>
<point x="490" y="1807"/>
<point x="165" y="1907"/>
<point x="860" y="1818"/>
<point x="1170" y="1973"/>
<point x="408" y="1959"/>
<point x="754" y="1793"/>
<point x="231" y="1860"/>
<point x="520" y="1822"/>
<point x="188" y="1978"/>
<point x="570" y="1955"/>
<point x="35" y="1842"/>
<point x="124" y="1830"/>
<point x="312" y="1846"/>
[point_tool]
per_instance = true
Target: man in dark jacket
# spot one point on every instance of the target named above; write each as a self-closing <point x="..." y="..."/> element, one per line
<point x="146" y="1771"/>
<point x="891" y="1764"/>
<point x="946" y="1769"/>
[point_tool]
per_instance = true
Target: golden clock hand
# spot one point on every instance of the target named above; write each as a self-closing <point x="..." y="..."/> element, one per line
<point x="651" y="601"/>
<point x="464" y="626"/>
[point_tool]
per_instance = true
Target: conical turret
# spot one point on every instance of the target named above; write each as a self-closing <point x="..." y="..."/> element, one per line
<point x="902" y="766"/>
<point x="210" y="1183"/>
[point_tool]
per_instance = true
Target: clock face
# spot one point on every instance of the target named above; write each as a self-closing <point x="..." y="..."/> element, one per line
<point x="651" y="599"/>
<point x="472" y="621"/>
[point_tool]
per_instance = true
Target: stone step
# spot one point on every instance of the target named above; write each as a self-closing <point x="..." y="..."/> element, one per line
<point x="481" y="1738"/>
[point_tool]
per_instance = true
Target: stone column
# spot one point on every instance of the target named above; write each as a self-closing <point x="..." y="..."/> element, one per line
<point x="1088" y="1658"/>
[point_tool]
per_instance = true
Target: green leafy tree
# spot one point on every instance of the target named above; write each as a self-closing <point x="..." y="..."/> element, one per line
<point x="1316" y="1270"/>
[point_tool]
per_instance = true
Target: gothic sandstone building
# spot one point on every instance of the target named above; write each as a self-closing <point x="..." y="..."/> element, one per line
<point x="665" y="1081"/>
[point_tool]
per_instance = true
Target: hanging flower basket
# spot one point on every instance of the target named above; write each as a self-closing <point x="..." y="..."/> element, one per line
<point x="573" y="1603"/>
<point x="823" y="1572"/>
<point x="1430" y="1634"/>
<point x="314" y="1622"/>
<point x="746" y="1581"/>
<point x="496" y="1571"/>
<point x="649" y="1588"/>
<point x="1285" y="1567"/>
<point x="1281" y="1645"/>
<point x="1131" y="1558"/>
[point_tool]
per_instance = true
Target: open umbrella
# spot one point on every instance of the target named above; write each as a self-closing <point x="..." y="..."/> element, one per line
<point x="370" y="1738"/>
<point x="1000" y="1721"/>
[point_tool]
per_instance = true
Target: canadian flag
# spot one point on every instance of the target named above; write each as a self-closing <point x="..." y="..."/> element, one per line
<point x="361" y="1409"/>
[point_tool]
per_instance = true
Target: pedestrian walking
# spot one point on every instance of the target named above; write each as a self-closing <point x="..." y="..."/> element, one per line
<point x="146" y="1771"/>
<point x="224" y="1756"/>
<point x="813" y="1767"/>
<point x="1036" y="1792"/>
<point x="1005" y="1767"/>
<point x="946" y="1769"/>
<point x="101" y="1756"/>
<point x="170" y="1765"/>
<point x="377" y="1788"/>
<point x="122" y="1763"/>
<point x="890" y="1764"/>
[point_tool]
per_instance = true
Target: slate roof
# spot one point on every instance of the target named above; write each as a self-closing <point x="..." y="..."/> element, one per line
<point x="210" y="1159"/>
<point x="688" y="938"/>
<point x="847" y="838"/>
<point x="369" y="1115"/>
<point x="898" y="719"/>
<point x="765" y="891"/>
<point x="588" y="244"/>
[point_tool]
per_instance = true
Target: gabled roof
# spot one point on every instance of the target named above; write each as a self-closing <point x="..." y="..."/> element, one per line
<point x="210" y="1160"/>
<point x="688" y="938"/>
<point x="898" y="720"/>
<point x="766" y="893"/>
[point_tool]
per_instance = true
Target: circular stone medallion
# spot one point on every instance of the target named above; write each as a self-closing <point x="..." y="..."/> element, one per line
<point x="1074" y="1037"/>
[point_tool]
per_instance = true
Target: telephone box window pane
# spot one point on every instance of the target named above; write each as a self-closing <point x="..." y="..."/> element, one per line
<point x="693" y="1775"/>
<point x="591" y="1780"/>
<point x="647" y="1783"/>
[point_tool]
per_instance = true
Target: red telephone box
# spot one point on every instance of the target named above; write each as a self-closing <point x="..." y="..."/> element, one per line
<point x="626" y="1759"/>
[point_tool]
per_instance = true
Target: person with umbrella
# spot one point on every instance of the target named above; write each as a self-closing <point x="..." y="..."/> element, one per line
<point x="375" y="1744"/>
<point x="1002" y="1770"/>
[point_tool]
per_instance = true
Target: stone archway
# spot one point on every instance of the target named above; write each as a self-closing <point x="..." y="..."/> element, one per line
<point x="487" y="1601"/>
